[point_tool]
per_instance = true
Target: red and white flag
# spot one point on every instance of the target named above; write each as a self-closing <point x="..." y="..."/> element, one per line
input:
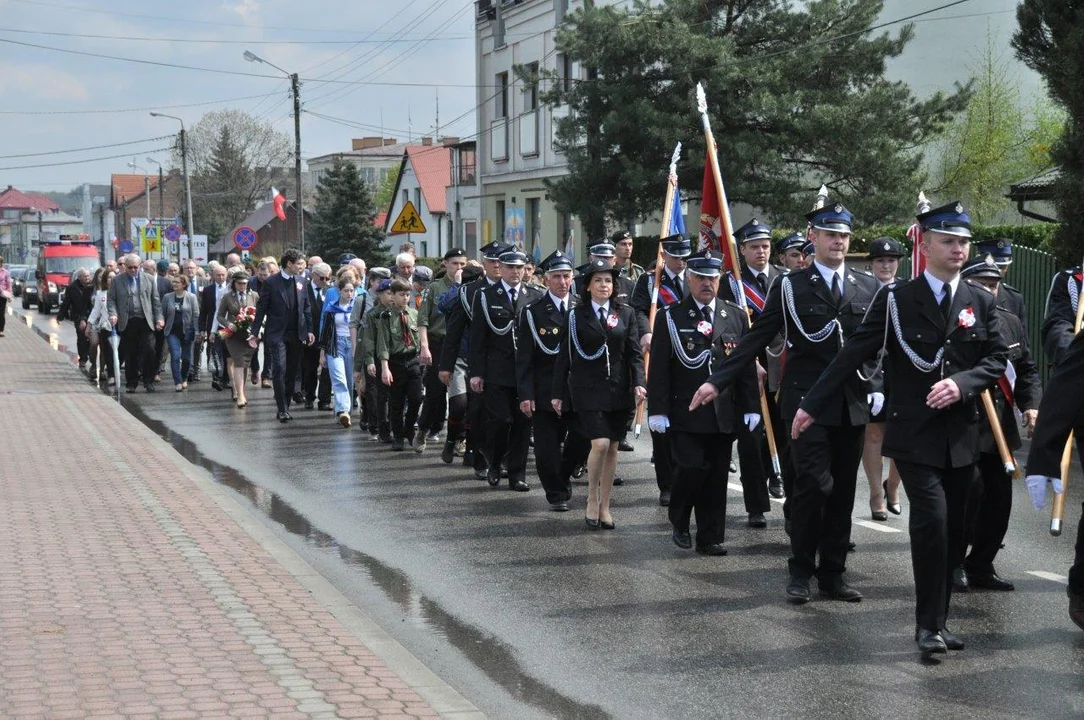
<point x="280" y="204"/>
<point x="918" y="260"/>
<point x="710" y="223"/>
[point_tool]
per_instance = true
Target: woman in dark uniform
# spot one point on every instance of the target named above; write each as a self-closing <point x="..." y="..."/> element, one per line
<point x="599" y="375"/>
<point x="233" y="302"/>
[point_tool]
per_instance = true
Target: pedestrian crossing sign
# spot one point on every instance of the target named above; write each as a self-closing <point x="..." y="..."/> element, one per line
<point x="152" y="240"/>
<point x="408" y="221"/>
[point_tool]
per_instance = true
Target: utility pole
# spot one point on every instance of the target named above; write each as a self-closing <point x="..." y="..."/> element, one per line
<point x="295" y="85"/>
<point x="187" y="183"/>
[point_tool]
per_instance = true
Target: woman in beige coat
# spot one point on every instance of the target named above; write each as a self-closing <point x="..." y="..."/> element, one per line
<point x="239" y="354"/>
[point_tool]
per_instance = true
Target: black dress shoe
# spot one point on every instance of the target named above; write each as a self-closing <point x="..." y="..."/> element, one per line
<point x="468" y="458"/>
<point x="1076" y="608"/>
<point x="309" y="404"/>
<point x="664" y="498"/>
<point x="324" y="406"/>
<point x="150" y="387"/>
<point x="959" y="580"/>
<point x="397" y="445"/>
<point x="952" y="642"/>
<point x="618" y="481"/>
<point x="579" y="471"/>
<point x="682" y="539"/>
<point x="798" y="591"/>
<point x="625" y="446"/>
<point x="711" y="549"/>
<point x="493" y="478"/>
<point x="519" y="486"/>
<point x="282" y="417"/>
<point x="775" y="488"/>
<point x="756" y="520"/>
<point x="481" y="474"/>
<point x="879" y="515"/>
<point x="288" y="415"/>
<point x="592" y="523"/>
<point x="851" y="546"/>
<point x="298" y="398"/>
<point x="606" y="525"/>
<point x="930" y="641"/>
<point x="841" y="591"/>
<point x="447" y="454"/>
<point x="385" y="438"/>
<point x="559" y="507"/>
<point x="988" y="581"/>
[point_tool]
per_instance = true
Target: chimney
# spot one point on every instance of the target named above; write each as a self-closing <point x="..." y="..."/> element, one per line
<point x="365" y="143"/>
<point x="427" y="141"/>
<point x="449" y="141"/>
<point x="390" y="141"/>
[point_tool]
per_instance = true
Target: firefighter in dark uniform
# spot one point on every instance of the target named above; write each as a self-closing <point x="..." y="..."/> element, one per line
<point x="791" y="254"/>
<point x="757" y="276"/>
<point x="1060" y="316"/>
<point x="458" y="327"/>
<point x="990" y="501"/>
<point x="675" y="249"/>
<point x="689" y="338"/>
<point x="558" y="448"/>
<point x="1008" y="297"/>
<point x="492" y="365"/>
<point x="1061" y="413"/>
<point x="944" y="347"/>
<point x="431" y="329"/>
<point x="816" y="309"/>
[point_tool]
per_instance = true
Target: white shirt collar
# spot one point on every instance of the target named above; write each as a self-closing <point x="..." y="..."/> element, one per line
<point x="595" y="307"/>
<point x="286" y="275"/>
<point x="827" y="273"/>
<point x="508" y="288"/>
<point x="558" y="302"/>
<point x="675" y="276"/>
<point x="701" y="307"/>
<point x="938" y="285"/>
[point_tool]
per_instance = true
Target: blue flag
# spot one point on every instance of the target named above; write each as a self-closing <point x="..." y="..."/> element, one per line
<point x="677" y="220"/>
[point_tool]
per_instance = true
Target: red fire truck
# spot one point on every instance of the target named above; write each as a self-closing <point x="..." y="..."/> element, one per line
<point x="57" y="262"/>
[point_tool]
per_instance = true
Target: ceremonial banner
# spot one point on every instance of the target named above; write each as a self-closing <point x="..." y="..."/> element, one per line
<point x="710" y="224"/>
<point x="677" y="220"/>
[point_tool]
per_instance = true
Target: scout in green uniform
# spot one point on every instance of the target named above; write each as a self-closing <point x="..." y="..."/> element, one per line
<point x="400" y="368"/>
<point x="365" y="357"/>
<point x="622" y="242"/>
<point x="431" y="330"/>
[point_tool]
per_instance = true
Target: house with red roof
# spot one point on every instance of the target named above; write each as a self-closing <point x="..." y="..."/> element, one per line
<point x="424" y="174"/>
<point x="26" y="220"/>
<point x="132" y="194"/>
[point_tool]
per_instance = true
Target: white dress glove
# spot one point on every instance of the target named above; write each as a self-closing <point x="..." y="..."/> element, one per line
<point x="751" y="421"/>
<point x="876" y="402"/>
<point x="1037" y="489"/>
<point x="658" y="423"/>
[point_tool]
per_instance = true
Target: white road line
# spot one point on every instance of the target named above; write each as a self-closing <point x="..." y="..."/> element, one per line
<point x="879" y="527"/>
<point x="1054" y="577"/>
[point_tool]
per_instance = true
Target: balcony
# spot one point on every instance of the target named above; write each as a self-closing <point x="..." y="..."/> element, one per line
<point x="498" y="139"/>
<point x="528" y="134"/>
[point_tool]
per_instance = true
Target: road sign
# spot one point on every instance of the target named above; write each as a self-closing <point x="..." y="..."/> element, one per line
<point x="173" y="233"/>
<point x="126" y="246"/>
<point x="408" y="221"/>
<point x="151" y="240"/>
<point x="244" y="238"/>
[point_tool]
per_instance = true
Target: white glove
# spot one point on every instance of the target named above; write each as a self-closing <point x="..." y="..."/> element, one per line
<point x="658" y="423"/>
<point x="1037" y="489"/>
<point x="876" y="402"/>
<point x="751" y="421"/>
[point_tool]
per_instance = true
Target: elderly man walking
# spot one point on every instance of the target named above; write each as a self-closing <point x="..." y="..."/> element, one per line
<point x="135" y="310"/>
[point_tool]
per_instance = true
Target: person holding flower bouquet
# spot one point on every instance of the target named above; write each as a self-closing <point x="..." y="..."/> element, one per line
<point x="236" y="311"/>
<point x="337" y="340"/>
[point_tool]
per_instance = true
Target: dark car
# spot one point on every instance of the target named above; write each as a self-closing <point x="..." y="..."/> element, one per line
<point x="18" y="275"/>
<point x="30" y="288"/>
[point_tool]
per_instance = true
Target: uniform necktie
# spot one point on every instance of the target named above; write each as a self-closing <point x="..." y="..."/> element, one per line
<point x="408" y="341"/>
<point x="837" y="290"/>
<point x="512" y="295"/>
<point x="561" y="307"/>
<point x="602" y="316"/>
<point x="706" y="312"/>
<point x="677" y="286"/>
<point x="762" y="283"/>
<point x="946" y="301"/>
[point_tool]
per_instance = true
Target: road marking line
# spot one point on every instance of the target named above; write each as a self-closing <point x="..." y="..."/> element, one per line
<point x="1054" y="577"/>
<point x="879" y="527"/>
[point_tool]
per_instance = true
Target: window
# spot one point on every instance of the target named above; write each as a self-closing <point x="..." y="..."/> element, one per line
<point x="500" y="221"/>
<point x="530" y="89"/>
<point x="501" y="110"/>
<point x="534" y="224"/>
<point x="418" y="199"/>
<point x="564" y="71"/>
<point x="470" y="235"/>
<point x="406" y="197"/>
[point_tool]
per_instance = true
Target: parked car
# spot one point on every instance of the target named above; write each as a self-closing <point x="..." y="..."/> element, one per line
<point x="18" y="278"/>
<point x="30" y="288"/>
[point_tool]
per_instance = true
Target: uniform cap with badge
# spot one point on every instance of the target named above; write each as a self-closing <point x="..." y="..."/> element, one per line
<point x="1000" y="250"/>
<point x="949" y="219"/>
<point x="345" y="259"/>
<point x="706" y="263"/>
<point x="981" y="267"/>
<point x="885" y="247"/>
<point x="753" y="230"/>
<point x="494" y="250"/>
<point x="513" y="257"/>
<point x="794" y="241"/>
<point x="833" y="217"/>
<point x="556" y="261"/>
<point x="602" y="249"/>
<point x="455" y="253"/>
<point x="677" y="246"/>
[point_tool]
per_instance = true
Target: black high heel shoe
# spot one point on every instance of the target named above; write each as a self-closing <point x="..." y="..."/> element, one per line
<point x="895" y="507"/>
<point x="606" y="525"/>
<point x="592" y="523"/>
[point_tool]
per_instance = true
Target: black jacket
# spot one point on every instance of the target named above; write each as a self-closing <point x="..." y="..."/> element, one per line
<point x="806" y="359"/>
<point x="770" y="358"/>
<point x="974" y="357"/>
<point x="1060" y="316"/>
<point x="458" y="324"/>
<point x="208" y="307"/>
<point x="539" y="333"/>
<point x="492" y="355"/>
<point x="77" y="304"/>
<point x="1026" y="391"/>
<point x="1060" y="412"/>
<point x="591" y="384"/>
<point x="672" y="385"/>
<point x="272" y="308"/>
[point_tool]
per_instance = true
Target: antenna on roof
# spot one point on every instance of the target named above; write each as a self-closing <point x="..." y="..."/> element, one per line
<point x="437" y="132"/>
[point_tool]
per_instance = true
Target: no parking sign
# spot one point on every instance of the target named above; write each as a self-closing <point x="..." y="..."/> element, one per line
<point x="244" y="238"/>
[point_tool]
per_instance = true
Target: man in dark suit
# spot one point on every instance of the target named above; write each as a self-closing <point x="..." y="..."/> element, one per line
<point x="196" y="283"/>
<point x="492" y="365"/>
<point x="816" y="309"/>
<point x="208" y="323"/>
<point x="689" y="337"/>
<point x="558" y="448"/>
<point x="315" y="379"/>
<point x="757" y="276"/>
<point x="135" y="309"/>
<point x="944" y="344"/>
<point x="1060" y="414"/>
<point x="672" y="288"/>
<point x="286" y="317"/>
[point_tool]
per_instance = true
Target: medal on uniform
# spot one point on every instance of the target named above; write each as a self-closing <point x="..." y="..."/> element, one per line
<point x="689" y="345"/>
<point x="542" y="331"/>
<point x="704" y="328"/>
<point x="966" y="318"/>
<point x="611" y="321"/>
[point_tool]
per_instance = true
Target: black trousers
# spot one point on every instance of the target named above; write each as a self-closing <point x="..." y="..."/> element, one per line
<point x="702" y="464"/>
<point x="436" y="394"/>
<point x="664" y="461"/>
<point x="1076" y="572"/>
<point x="82" y="342"/>
<point x="105" y="351"/>
<point x="404" y="396"/>
<point x="314" y="379"/>
<point x="752" y="447"/>
<point x="376" y="405"/>
<point x="3" y="313"/>
<point x="139" y="352"/>
<point x="826" y="461"/>
<point x="197" y="359"/>
<point x="558" y="450"/>
<point x="938" y="499"/>
<point x="508" y="431"/>
<point x="159" y="350"/>
<point x="285" y="359"/>
<point x="476" y="429"/>
<point x="986" y="520"/>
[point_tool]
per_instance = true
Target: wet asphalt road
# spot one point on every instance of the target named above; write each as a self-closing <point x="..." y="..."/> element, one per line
<point x="530" y="615"/>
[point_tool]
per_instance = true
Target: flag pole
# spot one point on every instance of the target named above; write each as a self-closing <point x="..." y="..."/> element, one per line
<point x="1057" y="511"/>
<point x="727" y="231"/>
<point x="664" y="231"/>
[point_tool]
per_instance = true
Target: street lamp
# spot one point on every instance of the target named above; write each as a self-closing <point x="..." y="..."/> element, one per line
<point x="295" y="87"/>
<point x="187" y="184"/>
<point x="161" y="196"/>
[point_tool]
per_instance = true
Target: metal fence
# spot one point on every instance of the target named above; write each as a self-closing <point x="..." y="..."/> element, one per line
<point x="1030" y="273"/>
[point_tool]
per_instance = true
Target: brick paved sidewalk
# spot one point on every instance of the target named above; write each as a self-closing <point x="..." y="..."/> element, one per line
<point x="132" y="586"/>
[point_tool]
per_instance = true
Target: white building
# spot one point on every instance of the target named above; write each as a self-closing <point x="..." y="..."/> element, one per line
<point x="424" y="175"/>
<point x="375" y="158"/>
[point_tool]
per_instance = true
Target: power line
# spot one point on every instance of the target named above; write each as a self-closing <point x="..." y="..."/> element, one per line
<point x="364" y="39"/>
<point x="80" y="162"/>
<point x="189" y="40"/>
<point x="138" y="109"/>
<point x="85" y="149"/>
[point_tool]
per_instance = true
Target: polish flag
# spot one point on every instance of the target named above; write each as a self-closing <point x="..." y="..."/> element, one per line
<point x="280" y="203"/>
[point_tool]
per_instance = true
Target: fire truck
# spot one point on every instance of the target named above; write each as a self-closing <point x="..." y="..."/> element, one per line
<point x="57" y="262"/>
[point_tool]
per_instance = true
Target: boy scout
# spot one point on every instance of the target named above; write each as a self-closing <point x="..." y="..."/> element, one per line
<point x="397" y="353"/>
